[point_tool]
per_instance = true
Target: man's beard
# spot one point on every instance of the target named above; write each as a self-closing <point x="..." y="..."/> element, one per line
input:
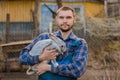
<point x="66" y="30"/>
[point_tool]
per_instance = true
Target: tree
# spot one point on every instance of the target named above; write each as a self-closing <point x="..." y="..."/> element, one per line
<point x="59" y="3"/>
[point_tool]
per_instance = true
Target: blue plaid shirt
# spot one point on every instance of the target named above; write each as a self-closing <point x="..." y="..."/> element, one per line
<point x="72" y="63"/>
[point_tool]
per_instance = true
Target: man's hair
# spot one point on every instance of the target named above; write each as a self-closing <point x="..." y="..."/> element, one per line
<point x="65" y="8"/>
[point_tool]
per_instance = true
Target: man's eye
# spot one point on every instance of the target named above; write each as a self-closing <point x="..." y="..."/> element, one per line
<point x="69" y="17"/>
<point x="61" y="17"/>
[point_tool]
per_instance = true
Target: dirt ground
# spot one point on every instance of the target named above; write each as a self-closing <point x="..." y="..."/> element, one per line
<point x="88" y="75"/>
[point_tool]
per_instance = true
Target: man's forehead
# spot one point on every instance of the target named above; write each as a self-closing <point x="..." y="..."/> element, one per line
<point x="66" y="13"/>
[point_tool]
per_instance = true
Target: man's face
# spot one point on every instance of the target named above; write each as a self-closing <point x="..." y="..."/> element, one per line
<point x="65" y="20"/>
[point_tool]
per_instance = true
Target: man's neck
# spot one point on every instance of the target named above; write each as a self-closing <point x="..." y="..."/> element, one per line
<point x="65" y="34"/>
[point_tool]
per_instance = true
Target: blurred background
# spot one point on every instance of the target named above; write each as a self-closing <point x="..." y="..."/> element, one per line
<point x="98" y="21"/>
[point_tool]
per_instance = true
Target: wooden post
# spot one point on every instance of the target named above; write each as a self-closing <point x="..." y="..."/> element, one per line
<point x="35" y="19"/>
<point x="50" y="27"/>
<point x="106" y="8"/>
<point x="7" y="32"/>
<point x="83" y="20"/>
<point x="59" y="3"/>
<point x="119" y="11"/>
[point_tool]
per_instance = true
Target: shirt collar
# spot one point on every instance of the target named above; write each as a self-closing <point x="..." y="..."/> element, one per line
<point x="71" y="35"/>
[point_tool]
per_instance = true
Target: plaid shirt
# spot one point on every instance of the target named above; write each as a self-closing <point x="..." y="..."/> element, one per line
<point x="76" y="46"/>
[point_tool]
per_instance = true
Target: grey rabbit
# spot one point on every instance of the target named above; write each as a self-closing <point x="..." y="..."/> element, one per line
<point x="54" y="43"/>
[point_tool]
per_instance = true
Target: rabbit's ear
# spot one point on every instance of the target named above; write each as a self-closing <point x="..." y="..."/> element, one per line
<point x="52" y="36"/>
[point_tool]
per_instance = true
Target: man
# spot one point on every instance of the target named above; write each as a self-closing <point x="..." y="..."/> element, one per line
<point x="72" y="63"/>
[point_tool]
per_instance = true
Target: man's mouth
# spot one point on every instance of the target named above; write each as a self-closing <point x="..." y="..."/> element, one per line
<point x="64" y="25"/>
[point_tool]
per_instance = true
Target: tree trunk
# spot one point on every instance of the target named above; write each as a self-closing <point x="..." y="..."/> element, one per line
<point x="35" y="19"/>
<point x="59" y="3"/>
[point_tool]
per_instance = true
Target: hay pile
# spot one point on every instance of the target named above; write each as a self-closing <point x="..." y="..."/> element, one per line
<point x="104" y="42"/>
<point x="103" y="27"/>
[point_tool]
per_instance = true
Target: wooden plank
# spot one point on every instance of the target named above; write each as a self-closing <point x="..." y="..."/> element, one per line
<point x="16" y="43"/>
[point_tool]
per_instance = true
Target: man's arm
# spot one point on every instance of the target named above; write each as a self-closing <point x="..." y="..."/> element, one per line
<point x="74" y="69"/>
<point x="78" y="66"/>
<point x="25" y="58"/>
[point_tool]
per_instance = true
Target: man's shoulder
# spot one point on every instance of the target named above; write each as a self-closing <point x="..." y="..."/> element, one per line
<point x="44" y="35"/>
<point x="80" y="40"/>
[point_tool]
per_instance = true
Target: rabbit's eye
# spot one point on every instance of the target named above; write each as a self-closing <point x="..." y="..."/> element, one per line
<point x="62" y="46"/>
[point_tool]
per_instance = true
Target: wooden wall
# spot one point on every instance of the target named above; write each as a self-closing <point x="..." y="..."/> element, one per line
<point x="19" y="10"/>
<point x="21" y="18"/>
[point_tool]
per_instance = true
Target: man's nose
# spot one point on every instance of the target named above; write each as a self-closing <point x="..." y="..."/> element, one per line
<point x="64" y="20"/>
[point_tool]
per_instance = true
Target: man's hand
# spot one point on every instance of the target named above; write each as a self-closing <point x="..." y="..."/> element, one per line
<point x="42" y="68"/>
<point x="48" y="54"/>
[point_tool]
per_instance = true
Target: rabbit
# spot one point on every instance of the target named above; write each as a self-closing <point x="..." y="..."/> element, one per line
<point x="54" y="43"/>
